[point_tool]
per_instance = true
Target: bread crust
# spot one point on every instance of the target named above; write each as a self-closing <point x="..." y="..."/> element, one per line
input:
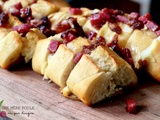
<point x="99" y="80"/>
<point x="138" y="42"/>
<point x="150" y="54"/>
<point x="10" y="49"/>
<point x="60" y="65"/>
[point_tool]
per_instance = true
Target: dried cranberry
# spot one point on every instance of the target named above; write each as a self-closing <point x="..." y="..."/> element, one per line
<point x="157" y="32"/>
<point x="53" y="46"/>
<point x="15" y="9"/>
<point x="68" y="36"/>
<point x="127" y="56"/>
<point x="136" y="24"/>
<point x="2" y="114"/>
<point x="101" y="40"/>
<point x="25" y="12"/>
<point x="77" y="57"/>
<point x="99" y="19"/>
<point x="134" y="15"/>
<point x="75" y="11"/>
<point x="28" y="19"/>
<point x="115" y="28"/>
<point x="152" y="26"/>
<point x="46" y="31"/>
<point x="62" y="26"/>
<point x="91" y="35"/>
<point x="122" y="18"/>
<point x="78" y="29"/>
<point x="142" y="63"/>
<point x="36" y="22"/>
<point x="114" y="46"/>
<point x="46" y="22"/>
<point x="131" y="106"/>
<point x="118" y="12"/>
<point x="3" y="18"/>
<point x="88" y="48"/>
<point x="22" y="29"/>
<point x="145" y="18"/>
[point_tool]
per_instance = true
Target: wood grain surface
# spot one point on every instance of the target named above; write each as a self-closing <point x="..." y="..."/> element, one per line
<point x="27" y="97"/>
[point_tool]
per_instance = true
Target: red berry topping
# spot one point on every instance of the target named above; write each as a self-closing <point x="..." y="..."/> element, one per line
<point x="53" y="46"/>
<point x="75" y="11"/>
<point x="3" y="114"/>
<point x="77" y="57"/>
<point x="131" y="106"/>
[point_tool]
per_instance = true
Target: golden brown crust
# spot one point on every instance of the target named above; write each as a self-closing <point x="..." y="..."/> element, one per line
<point x="104" y="75"/>
<point x="152" y="57"/>
<point x="138" y="42"/>
<point x="10" y="49"/>
<point x="60" y="65"/>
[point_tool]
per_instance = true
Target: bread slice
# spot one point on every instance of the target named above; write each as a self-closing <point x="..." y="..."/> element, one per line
<point x="105" y="74"/>
<point x="10" y="3"/>
<point x="60" y="65"/>
<point x="42" y="8"/>
<point x="10" y="49"/>
<point x="29" y="43"/>
<point x="152" y="56"/>
<point x="138" y="42"/>
<point x="62" y="61"/>
<point x="41" y="53"/>
<point x="109" y="35"/>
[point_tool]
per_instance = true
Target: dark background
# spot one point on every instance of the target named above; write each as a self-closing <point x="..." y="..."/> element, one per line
<point x="125" y="5"/>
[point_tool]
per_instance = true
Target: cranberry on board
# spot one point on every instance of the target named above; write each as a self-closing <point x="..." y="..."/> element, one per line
<point x="75" y="11"/>
<point x="131" y="106"/>
<point x="53" y="46"/>
<point x="2" y="114"/>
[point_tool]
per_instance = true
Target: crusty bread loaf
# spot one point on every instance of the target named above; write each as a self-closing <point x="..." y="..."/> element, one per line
<point x="104" y="75"/>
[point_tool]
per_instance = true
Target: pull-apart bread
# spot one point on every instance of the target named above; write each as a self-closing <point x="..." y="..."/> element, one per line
<point x="90" y="54"/>
<point x="127" y="34"/>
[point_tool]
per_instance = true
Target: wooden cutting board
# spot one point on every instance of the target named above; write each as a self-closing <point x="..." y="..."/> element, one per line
<point x="27" y="97"/>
